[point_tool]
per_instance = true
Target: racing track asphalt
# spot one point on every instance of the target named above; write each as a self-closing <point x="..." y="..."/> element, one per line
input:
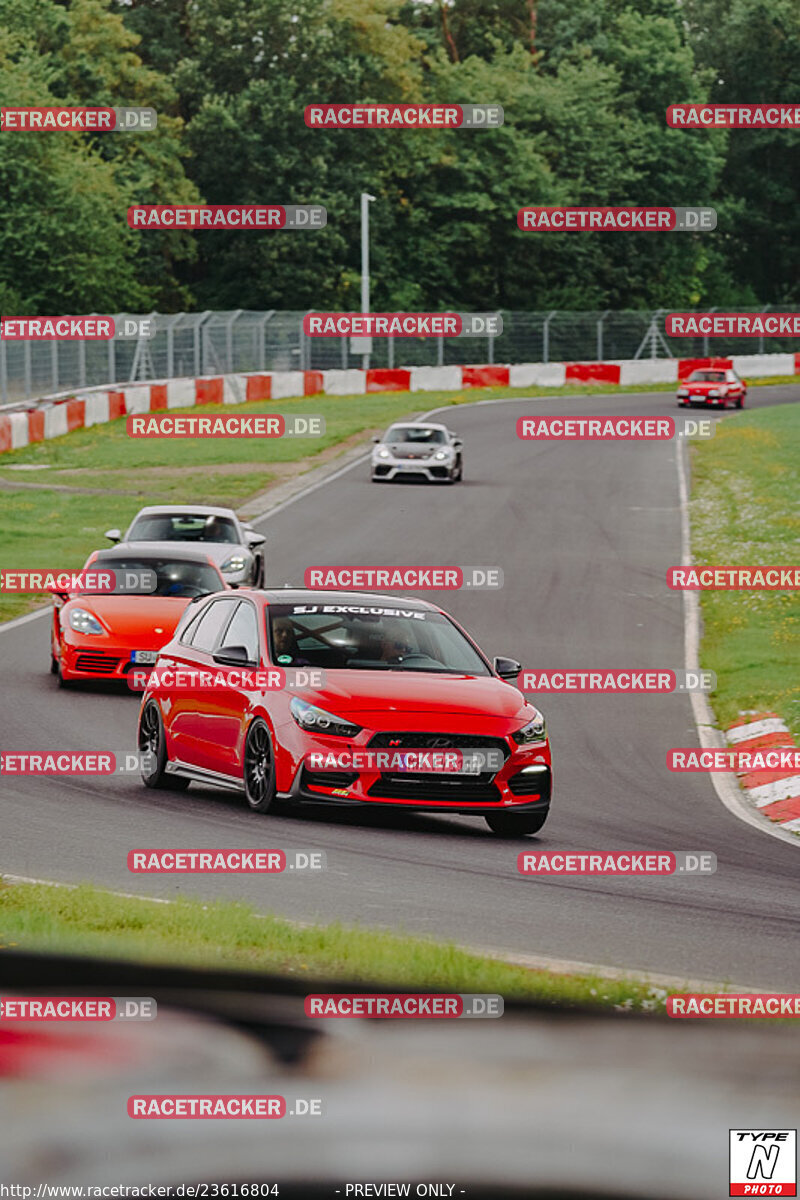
<point x="584" y="533"/>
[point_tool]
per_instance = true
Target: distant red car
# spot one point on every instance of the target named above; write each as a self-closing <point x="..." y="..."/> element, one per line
<point x="712" y="386"/>
<point x="104" y="636"/>
<point x="397" y="674"/>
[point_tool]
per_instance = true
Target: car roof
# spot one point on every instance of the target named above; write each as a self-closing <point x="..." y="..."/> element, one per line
<point x="321" y="596"/>
<point x="155" y="550"/>
<point x="418" y="425"/>
<point x="200" y="510"/>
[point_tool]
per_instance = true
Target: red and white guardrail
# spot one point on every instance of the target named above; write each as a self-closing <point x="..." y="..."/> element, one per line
<point x="54" y="416"/>
<point x="776" y="794"/>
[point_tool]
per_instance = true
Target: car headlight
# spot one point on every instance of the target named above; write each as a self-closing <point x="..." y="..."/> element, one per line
<point x="83" y="622"/>
<point x="534" y="731"/>
<point x="683" y="391"/>
<point x="236" y="562"/>
<point x="317" y="720"/>
<point x="440" y="454"/>
<point x="383" y="453"/>
<point x="713" y="393"/>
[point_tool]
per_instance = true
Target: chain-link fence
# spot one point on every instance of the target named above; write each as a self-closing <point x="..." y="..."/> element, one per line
<point x="210" y="343"/>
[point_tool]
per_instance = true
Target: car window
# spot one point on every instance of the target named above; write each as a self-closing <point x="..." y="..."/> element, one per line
<point x="243" y="631"/>
<point x="416" y="435"/>
<point x="210" y="624"/>
<point x="183" y="527"/>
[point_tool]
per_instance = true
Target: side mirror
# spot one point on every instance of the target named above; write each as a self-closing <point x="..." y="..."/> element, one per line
<point x="234" y="656"/>
<point x="457" y="442"/>
<point x="376" y="439"/>
<point x="113" y="535"/>
<point x="252" y="538"/>
<point x="507" y="668"/>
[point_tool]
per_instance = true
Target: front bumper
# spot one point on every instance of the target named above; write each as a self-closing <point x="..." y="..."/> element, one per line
<point x="419" y="468"/>
<point x="511" y="788"/>
<point x="92" y="663"/>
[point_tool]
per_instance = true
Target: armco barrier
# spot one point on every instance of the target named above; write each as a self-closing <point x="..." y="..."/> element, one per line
<point x="54" y="416"/>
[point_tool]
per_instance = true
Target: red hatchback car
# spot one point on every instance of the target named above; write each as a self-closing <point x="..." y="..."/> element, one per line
<point x="391" y="674"/>
<point x="709" y="386"/>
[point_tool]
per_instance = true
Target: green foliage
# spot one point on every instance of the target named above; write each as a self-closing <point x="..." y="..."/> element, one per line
<point x="584" y="85"/>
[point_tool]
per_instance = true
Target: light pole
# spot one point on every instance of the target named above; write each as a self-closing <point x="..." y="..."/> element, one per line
<point x="366" y="343"/>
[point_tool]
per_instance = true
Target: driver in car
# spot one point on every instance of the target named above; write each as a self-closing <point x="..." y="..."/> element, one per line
<point x="284" y="639"/>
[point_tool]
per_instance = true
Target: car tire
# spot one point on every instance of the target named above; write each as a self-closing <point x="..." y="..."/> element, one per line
<point x="258" y="580"/>
<point x="740" y="402"/>
<point x="259" y="768"/>
<point x="151" y="737"/>
<point x="62" y="682"/>
<point x="53" y="664"/>
<point x="515" y="824"/>
<point x="459" y="472"/>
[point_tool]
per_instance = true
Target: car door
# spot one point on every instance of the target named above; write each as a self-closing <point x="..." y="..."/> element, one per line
<point x="235" y="704"/>
<point x="195" y="709"/>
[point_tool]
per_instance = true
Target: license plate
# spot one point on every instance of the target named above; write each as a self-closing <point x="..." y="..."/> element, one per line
<point x="144" y="657"/>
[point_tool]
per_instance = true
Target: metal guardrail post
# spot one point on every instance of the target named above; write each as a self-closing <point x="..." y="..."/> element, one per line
<point x="197" y="341"/>
<point x="766" y="308"/>
<point x="3" y="372"/>
<point x="229" y="337"/>
<point x="546" y="335"/>
<point x="26" y="354"/>
<point x="261" y="334"/>
<point x="390" y="353"/>
<point x="440" y="351"/>
<point x="600" y="335"/>
<point x="705" y="335"/>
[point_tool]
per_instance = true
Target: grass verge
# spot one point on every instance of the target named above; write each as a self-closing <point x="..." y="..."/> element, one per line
<point x="88" y="920"/>
<point x="745" y="508"/>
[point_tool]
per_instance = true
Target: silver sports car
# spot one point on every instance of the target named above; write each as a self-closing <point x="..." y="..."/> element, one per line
<point x="419" y="450"/>
<point x="233" y="546"/>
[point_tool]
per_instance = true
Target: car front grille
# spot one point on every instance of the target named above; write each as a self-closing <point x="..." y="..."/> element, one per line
<point x="98" y="664"/>
<point x="438" y="741"/>
<point x="455" y="789"/>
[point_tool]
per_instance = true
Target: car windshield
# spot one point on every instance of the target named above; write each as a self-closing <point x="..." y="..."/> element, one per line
<point x="707" y="377"/>
<point x="370" y="638"/>
<point x="183" y="527"/>
<point x="173" y="577"/>
<point x="417" y="434"/>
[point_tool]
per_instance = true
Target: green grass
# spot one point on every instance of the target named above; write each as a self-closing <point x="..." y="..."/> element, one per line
<point x="88" y="920"/>
<point x="745" y="509"/>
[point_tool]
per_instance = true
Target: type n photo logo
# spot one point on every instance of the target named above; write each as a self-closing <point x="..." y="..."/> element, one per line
<point x="763" y="1162"/>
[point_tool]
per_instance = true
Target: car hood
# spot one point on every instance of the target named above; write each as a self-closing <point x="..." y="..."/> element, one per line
<point x="132" y="617"/>
<point x="386" y="699"/>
